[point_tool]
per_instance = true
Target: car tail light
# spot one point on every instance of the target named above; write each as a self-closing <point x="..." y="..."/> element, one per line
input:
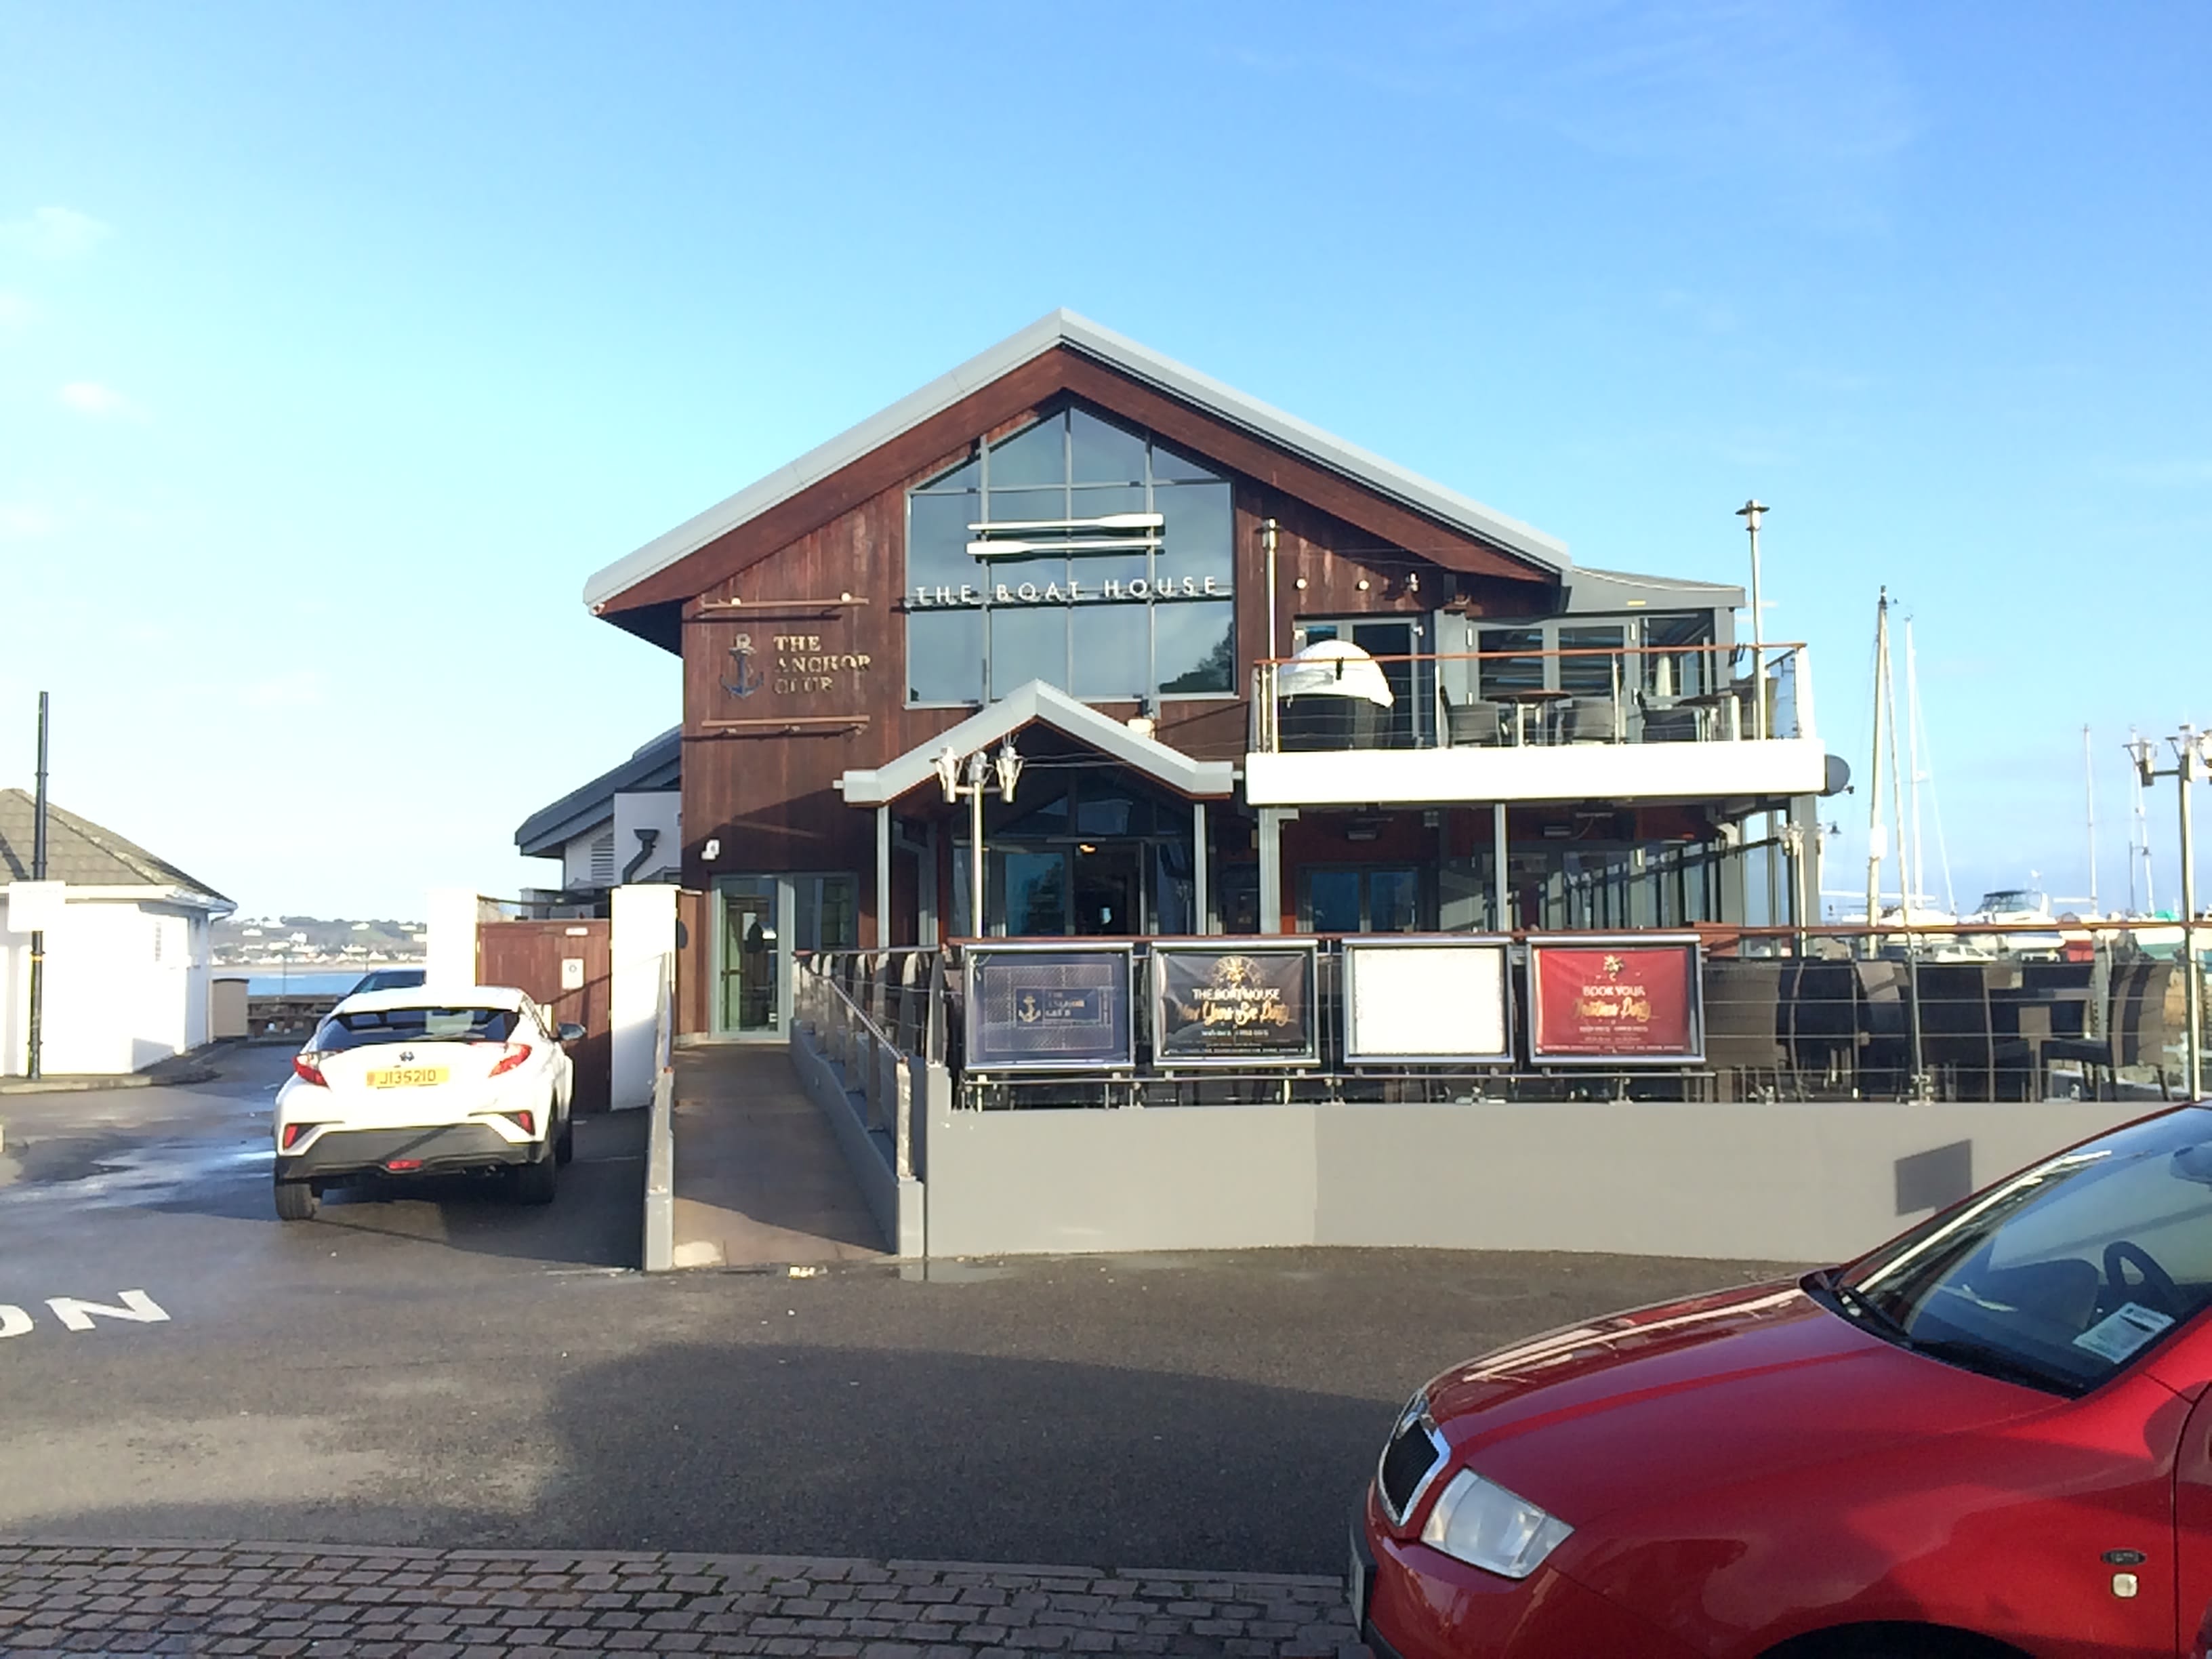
<point x="294" y="1132"/>
<point x="515" y="1054"/>
<point x="308" y="1069"/>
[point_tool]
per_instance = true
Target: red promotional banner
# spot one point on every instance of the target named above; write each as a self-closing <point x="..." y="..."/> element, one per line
<point x="1615" y="1002"/>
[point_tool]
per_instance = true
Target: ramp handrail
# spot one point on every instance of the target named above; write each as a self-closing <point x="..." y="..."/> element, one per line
<point x="868" y="1058"/>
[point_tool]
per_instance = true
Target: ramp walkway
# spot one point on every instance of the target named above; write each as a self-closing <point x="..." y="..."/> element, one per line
<point x="760" y="1178"/>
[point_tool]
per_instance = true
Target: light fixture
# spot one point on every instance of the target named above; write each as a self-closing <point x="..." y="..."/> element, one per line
<point x="1413" y="581"/>
<point x="1301" y="584"/>
<point x="1085" y="846"/>
<point x="1362" y="584"/>
<point x="1009" y="765"/>
<point x="948" y="772"/>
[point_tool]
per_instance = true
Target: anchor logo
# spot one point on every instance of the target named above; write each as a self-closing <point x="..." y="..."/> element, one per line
<point x="743" y="679"/>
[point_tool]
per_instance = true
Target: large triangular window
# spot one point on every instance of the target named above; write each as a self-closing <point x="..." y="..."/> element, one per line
<point x="1078" y="551"/>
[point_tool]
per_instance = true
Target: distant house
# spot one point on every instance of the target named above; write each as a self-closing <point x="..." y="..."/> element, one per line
<point x="620" y="827"/>
<point x="127" y="973"/>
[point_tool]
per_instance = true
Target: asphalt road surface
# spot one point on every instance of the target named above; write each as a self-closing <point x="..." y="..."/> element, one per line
<point x="436" y="1365"/>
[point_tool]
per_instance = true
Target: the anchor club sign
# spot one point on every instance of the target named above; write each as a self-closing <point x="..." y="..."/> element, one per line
<point x="801" y="667"/>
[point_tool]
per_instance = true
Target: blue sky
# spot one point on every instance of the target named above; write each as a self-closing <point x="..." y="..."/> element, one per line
<point x="337" y="346"/>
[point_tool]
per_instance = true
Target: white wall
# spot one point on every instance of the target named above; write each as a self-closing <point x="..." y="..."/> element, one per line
<point x="126" y="984"/>
<point x="642" y="946"/>
<point x="654" y="809"/>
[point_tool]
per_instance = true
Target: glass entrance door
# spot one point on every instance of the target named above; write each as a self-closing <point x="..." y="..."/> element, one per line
<point x="763" y="921"/>
<point x="752" y="956"/>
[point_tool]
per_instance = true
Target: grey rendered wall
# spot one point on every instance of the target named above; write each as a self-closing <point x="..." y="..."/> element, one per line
<point x="1215" y="1178"/>
<point x="1780" y="1183"/>
<point x="896" y="1205"/>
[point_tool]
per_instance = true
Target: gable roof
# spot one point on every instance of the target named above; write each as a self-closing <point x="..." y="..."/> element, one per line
<point x="1059" y="331"/>
<point x="1041" y="704"/>
<point x="82" y="854"/>
<point x="655" y="765"/>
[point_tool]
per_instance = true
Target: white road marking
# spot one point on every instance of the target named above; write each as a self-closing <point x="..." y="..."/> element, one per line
<point x="76" y="1314"/>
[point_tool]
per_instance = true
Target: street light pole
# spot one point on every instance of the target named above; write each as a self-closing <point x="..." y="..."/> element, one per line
<point x="1751" y="513"/>
<point x="2188" y="747"/>
<point x="980" y="768"/>
<point x="32" y="1067"/>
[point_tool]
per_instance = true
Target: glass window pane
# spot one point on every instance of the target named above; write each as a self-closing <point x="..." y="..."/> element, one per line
<point x="1028" y="642"/>
<point x="1394" y="901"/>
<point x="1027" y="505"/>
<point x="1036" y="895"/>
<point x="1511" y="673"/>
<point x="1094" y="569"/>
<point x="936" y="542"/>
<point x="1105" y="809"/>
<point x="1040" y="810"/>
<point x="944" y="656"/>
<point x="1036" y="455"/>
<point x="1168" y="467"/>
<point x="1102" y="454"/>
<point x="1589" y="676"/>
<point x="1333" y="900"/>
<point x="1198" y="539"/>
<point x="1197" y="647"/>
<point x="1113" y="648"/>
<point x="969" y="475"/>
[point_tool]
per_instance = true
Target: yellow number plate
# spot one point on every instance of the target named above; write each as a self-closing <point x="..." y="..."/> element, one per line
<point x="407" y="1076"/>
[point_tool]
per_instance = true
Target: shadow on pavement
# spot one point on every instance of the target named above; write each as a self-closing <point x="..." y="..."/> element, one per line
<point x="822" y="1452"/>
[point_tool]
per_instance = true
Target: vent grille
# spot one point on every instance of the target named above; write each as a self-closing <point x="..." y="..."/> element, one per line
<point x="1410" y="1459"/>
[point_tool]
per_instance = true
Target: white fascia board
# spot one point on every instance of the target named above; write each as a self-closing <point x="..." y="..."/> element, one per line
<point x="1572" y="772"/>
<point x="1037" y="702"/>
<point x="1066" y="328"/>
<point x="182" y="898"/>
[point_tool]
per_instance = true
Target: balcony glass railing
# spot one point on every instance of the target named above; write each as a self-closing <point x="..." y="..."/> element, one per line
<point x="1334" y="697"/>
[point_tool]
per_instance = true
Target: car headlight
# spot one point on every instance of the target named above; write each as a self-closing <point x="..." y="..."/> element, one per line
<point x="1479" y="1522"/>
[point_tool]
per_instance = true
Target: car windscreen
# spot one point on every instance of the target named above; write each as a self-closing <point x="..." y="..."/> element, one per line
<point x="359" y="1028"/>
<point x="2061" y="1276"/>
<point x="388" y="979"/>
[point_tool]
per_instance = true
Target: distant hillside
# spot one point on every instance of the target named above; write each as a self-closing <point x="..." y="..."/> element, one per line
<point x="244" y="941"/>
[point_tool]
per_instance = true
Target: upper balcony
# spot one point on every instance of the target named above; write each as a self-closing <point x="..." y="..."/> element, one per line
<point x="1335" y="727"/>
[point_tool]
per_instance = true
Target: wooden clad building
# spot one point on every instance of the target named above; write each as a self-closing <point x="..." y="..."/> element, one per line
<point x="1197" y="621"/>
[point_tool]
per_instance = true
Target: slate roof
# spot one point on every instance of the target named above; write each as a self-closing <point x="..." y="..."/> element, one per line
<point x="82" y="854"/>
<point x="655" y="765"/>
<point x="1066" y="328"/>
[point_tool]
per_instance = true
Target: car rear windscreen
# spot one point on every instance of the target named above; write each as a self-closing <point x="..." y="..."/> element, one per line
<point x="359" y="1028"/>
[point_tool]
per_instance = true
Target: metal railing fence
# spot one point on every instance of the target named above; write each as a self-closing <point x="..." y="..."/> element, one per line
<point x="1960" y="1011"/>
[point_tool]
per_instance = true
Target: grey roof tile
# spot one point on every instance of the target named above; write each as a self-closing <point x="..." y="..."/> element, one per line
<point x="80" y="852"/>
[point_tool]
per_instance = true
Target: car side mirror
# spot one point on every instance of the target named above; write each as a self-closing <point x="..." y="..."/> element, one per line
<point x="570" y="1031"/>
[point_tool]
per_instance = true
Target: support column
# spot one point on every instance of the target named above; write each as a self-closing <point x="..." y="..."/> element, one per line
<point x="883" y="877"/>
<point x="1198" y="897"/>
<point x="926" y="905"/>
<point x="1500" y="918"/>
<point x="1272" y="819"/>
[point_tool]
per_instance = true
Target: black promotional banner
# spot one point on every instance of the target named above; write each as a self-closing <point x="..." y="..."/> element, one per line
<point x="1244" y="1004"/>
<point x="1048" y="1010"/>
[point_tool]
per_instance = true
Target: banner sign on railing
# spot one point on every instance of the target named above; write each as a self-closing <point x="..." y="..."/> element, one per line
<point x="1633" y="999"/>
<point x="1417" y="1000"/>
<point x="1049" y="1007"/>
<point x="1247" y="1004"/>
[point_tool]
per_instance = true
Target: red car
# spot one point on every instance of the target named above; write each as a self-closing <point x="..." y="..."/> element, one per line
<point x="1988" y="1438"/>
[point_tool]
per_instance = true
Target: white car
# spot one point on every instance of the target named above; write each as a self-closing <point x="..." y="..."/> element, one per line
<point x="421" y="1081"/>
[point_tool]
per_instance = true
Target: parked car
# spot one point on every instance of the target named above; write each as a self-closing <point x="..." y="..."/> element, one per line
<point x="406" y="1082"/>
<point x="1990" y="1436"/>
<point x="387" y="979"/>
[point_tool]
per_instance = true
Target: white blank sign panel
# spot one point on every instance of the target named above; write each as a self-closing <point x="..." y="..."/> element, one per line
<point x="1426" y="1001"/>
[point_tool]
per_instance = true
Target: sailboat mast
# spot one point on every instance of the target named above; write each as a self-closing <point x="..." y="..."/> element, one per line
<point x="1906" y="871"/>
<point x="2139" y="840"/>
<point x="1912" y="754"/>
<point x="1874" y="790"/>
<point x="2089" y="785"/>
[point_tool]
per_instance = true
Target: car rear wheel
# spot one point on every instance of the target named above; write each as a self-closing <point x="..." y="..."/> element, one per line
<point x="533" y="1183"/>
<point x="295" y="1201"/>
<point x="564" y="1145"/>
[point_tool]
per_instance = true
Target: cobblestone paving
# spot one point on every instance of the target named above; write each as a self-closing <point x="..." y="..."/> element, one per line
<point x="269" y="1599"/>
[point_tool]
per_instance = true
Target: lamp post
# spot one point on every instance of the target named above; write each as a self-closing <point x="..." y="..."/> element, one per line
<point x="1751" y="513"/>
<point x="981" y="768"/>
<point x="2191" y="748"/>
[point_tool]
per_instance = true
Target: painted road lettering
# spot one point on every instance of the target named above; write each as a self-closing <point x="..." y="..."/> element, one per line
<point x="76" y="1314"/>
